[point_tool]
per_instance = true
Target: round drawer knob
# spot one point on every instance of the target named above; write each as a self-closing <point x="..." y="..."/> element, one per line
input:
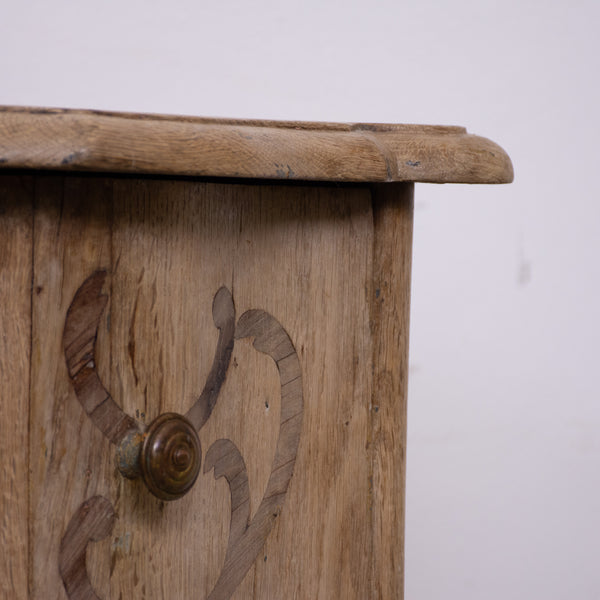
<point x="170" y="456"/>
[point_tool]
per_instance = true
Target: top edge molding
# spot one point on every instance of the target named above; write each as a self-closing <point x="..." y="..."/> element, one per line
<point x="87" y="140"/>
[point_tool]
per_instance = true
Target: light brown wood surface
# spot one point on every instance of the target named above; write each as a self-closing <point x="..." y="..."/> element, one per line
<point x="274" y="316"/>
<point x="16" y="221"/>
<point x="390" y="312"/>
<point x="70" y="460"/>
<point x="35" y="138"/>
<point x="331" y="265"/>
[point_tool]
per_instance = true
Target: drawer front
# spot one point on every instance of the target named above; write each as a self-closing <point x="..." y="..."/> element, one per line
<point x="272" y="318"/>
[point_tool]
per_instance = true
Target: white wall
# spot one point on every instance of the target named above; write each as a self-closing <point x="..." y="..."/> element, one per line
<point x="503" y="495"/>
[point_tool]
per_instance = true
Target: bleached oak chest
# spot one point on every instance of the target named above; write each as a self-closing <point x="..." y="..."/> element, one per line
<point x="203" y="352"/>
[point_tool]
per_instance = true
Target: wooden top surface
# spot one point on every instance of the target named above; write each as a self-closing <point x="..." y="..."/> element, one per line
<point x="78" y="140"/>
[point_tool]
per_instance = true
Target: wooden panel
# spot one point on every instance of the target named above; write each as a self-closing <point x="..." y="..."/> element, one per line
<point x="128" y="143"/>
<point x="303" y="255"/>
<point x="314" y="257"/>
<point x="16" y="199"/>
<point x="390" y="311"/>
<point x="71" y="460"/>
<point x="299" y="262"/>
<point x="173" y="248"/>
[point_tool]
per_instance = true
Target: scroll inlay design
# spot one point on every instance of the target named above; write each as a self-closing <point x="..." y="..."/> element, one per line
<point x="95" y="517"/>
<point x="93" y="521"/>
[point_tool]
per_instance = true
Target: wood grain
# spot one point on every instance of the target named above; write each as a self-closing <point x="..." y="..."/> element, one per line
<point x="390" y="311"/>
<point x="93" y="521"/>
<point x="316" y="253"/>
<point x="172" y="247"/>
<point x="16" y="220"/>
<point x="71" y="460"/>
<point x="78" y="140"/>
<point x="309" y="257"/>
<point x="247" y="535"/>
<point x="79" y="340"/>
<point x="224" y="317"/>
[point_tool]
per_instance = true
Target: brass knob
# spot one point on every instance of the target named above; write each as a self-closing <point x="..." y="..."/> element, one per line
<point x="170" y="457"/>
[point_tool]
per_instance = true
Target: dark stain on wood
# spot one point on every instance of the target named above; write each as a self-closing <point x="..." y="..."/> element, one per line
<point x="94" y="518"/>
<point x="93" y="521"/>
<point x="224" y="318"/>
<point x="247" y="538"/>
<point x="79" y="340"/>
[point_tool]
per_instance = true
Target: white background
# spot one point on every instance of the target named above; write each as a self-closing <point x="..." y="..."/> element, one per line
<point x="503" y="490"/>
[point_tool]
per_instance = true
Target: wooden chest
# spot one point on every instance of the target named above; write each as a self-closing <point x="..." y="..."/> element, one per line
<point x="203" y="358"/>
